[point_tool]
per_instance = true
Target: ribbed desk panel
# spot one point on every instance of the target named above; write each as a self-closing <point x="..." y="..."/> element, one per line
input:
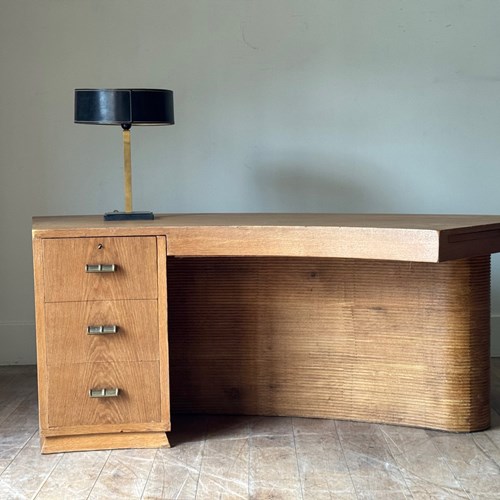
<point x="376" y="341"/>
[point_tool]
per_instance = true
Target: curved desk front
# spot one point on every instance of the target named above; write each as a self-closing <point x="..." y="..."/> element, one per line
<point x="378" y="318"/>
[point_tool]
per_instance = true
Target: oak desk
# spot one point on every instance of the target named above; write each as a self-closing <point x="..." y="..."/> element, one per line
<point x="379" y="318"/>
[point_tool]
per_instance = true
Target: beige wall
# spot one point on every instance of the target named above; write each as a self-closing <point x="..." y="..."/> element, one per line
<point x="281" y="105"/>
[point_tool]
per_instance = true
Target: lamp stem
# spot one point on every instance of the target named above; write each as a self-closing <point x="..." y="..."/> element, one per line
<point x="127" y="170"/>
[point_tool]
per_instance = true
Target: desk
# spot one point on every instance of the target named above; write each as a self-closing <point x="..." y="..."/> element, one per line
<point x="378" y="318"/>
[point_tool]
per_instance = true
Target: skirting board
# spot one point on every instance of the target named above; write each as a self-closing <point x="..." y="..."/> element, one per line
<point x="17" y="343"/>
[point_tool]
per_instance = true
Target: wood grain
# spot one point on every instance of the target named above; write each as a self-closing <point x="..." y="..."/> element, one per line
<point x="136" y="338"/>
<point x="163" y="351"/>
<point x="41" y="346"/>
<point x="66" y="279"/>
<point x="333" y="242"/>
<point x="90" y="442"/>
<point x="340" y="316"/>
<point x="420" y="238"/>
<point x="70" y="362"/>
<point x="393" y="342"/>
<point x="70" y="404"/>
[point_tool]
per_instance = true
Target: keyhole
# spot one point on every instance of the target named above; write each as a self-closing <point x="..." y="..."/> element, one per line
<point x="100" y="246"/>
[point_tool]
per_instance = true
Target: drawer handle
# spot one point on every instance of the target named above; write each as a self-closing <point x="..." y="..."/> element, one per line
<point x="104" y="393"/>
<point x="100" y="268"/>
<point x="102" y="329"/>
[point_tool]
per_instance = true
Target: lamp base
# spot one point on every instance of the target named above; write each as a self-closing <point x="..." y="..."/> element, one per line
<point x="113" y="216"/>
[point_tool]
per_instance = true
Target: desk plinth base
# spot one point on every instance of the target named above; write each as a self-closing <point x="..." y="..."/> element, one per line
<point x="376" y="341"/>
<point x="58" y="444"/>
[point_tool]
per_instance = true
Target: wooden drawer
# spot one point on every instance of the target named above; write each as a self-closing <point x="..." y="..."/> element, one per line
<point x="66" y="278"/>
<point x="136" y="338"/>
<point x="138" y="400"/>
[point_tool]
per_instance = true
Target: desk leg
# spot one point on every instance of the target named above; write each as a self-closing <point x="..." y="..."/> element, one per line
<point x="377" y="341"/>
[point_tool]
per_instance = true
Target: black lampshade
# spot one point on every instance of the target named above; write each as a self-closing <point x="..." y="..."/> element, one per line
<point x="124" y="106"/>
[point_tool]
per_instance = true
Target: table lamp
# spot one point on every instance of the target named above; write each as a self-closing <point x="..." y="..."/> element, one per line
<point x="125" y="107"/>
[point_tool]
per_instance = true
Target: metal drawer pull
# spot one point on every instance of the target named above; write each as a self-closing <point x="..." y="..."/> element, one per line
<point x="104" y="393"/>
<point x="100" y="268"/>
<point x="101" y="329"/>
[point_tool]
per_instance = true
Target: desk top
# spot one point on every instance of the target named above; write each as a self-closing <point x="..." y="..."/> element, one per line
<point x="418" y="238"/>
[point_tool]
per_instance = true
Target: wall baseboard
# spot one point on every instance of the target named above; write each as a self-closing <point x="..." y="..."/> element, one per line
<point x="17" y="343"/>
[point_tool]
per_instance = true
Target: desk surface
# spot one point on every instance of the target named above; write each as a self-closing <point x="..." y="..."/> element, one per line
<point x="419" y="238"/>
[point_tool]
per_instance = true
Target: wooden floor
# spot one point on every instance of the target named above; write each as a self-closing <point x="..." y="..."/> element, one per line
<point x="251" y="457"/>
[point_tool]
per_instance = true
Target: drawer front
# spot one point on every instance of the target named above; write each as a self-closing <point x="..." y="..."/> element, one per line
<point x="69" y="340"/>
<point x="138" y="398"/>
<point x="67" y="279"/>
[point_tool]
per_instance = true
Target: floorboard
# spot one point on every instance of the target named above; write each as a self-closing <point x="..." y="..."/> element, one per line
<point x="251" y="458"/>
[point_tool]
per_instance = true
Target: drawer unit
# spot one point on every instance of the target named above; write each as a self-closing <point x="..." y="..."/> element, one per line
<point x="132" y="394"/>
<point x="100" y="269"/>
<point x="101" y="342"/>
<point x="120" y="330"/>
